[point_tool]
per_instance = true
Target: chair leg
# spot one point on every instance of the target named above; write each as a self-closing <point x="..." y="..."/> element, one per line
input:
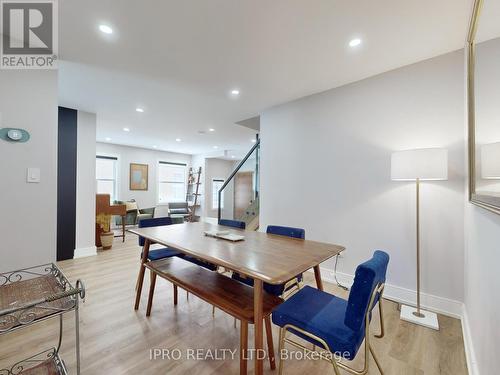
<point x="213" y="311"/>
<point x="376" y="361"/>
<point x="381" y="316"/>
<point x="335" y="367"/>
<point x="243" y="347"/>
<point x="280" y="348"/>
<point x="270" y="344"/>
<point x="234" y="322"/>
<point x="151" y="293"/>
<point x="175" y="295"/>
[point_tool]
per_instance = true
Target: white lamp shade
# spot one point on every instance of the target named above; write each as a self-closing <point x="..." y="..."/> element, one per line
<point x="424" y="164"/>
<point x="490" y="161"/>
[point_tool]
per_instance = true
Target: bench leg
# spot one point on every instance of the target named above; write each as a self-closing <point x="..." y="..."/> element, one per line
<point x="175" y="295"/>
<point x="151" y="293"/>
<point x="270" y="345"/>
<point x="243" y="347"/>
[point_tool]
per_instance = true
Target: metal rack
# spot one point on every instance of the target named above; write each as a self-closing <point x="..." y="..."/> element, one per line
<point x="32" y="295"/>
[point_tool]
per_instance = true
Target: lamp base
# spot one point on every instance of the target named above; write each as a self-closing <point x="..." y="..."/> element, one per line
<point x="427" y="319"/>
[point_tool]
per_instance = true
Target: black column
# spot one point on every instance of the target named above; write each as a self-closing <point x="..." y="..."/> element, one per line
<point x="66" y="183"/>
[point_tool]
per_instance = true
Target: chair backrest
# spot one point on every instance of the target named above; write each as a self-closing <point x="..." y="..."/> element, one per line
<point x="286" y="231"/>
<point x="156" y="222"/>
<point x="368" y="276"/>
<point x="178" y="207"/>
<point x="232" y="223"/>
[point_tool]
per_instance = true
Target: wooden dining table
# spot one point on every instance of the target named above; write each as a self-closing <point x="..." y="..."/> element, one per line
<point x="263" y="257"/>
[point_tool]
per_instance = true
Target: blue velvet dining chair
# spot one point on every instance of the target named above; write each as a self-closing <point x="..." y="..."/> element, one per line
<point x="165" y="252"/>
<point x="286" y="289"/>
<point x="210" y="266"/>
<point x="157" y="254"/>
<point x="232" y="223"/>
<point x="153" y="254"/>
<point x="332" y="323"/>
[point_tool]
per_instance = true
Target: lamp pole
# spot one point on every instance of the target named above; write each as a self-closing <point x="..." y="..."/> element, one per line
<point x="418" y="313"/>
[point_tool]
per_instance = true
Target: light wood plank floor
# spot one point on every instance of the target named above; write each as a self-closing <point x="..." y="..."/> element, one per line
<point x="117" y="340"/>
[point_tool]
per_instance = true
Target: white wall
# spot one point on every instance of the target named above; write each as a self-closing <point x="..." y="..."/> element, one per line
<point x="28" y="100"/>
<point x="85" y="184"/>
<point x="326" y="168"/>
<point x="127" y="155"/>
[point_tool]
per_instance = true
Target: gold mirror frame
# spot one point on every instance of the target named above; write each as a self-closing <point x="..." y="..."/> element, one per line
<point x="488" y="202"/>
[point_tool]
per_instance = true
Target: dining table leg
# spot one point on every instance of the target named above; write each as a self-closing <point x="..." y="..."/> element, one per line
<point x="317" y="275"/>
<point x="142" y="270"/>
<point x="258" y="323"/>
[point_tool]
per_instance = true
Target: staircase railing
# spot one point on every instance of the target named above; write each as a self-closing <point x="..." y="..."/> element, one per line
<point x="226" y="194"/>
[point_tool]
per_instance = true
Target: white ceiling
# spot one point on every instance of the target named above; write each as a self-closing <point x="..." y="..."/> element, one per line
<point x="179" y="59"/>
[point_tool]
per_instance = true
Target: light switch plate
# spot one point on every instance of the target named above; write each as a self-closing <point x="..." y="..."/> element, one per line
<point x="33" y="175"/>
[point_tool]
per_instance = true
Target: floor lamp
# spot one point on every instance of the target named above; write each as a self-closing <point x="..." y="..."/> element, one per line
<point x="429" y="164"/>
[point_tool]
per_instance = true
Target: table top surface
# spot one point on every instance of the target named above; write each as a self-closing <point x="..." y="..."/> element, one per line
<point x="270" y="258"/>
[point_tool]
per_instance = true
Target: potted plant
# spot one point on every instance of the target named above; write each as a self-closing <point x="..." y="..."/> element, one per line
<point x="104" y="222"/>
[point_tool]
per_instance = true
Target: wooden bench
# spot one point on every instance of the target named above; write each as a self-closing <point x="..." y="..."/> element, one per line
<point x="227" y="294"/>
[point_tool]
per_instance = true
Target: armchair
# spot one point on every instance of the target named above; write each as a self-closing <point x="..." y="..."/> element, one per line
<point x="134" y="214"/>
<point x="178" y="209"/>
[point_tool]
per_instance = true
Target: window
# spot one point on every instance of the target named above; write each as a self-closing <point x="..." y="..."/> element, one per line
<point x="216" y="186"/>
<point x="172" y="182"/>
<point x="105" y="174"/>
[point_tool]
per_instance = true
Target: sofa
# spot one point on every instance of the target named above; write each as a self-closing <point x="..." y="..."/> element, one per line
<point x="134" y="214"/>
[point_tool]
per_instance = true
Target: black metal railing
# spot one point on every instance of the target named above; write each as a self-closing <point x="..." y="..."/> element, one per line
<point x="250" y="163"/>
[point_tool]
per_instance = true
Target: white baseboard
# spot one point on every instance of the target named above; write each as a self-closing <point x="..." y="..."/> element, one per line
<point x="470" y="354"/>
<point x="85" y="252"/>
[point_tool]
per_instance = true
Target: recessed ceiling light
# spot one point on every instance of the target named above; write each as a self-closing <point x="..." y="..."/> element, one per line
<point x="106" y="29"/>
<point x="140" y="110"/>
<point x="355" y="42"/>
<point x="253" y="140"/>
<point x="211" y="130"/>
<point x="178" y="139"/>
<point x="126" y="129"/>
<point x="233" y="156"/>
<point x="108" y="139"/>
<point x="155" y="146"/>
<point x="235" y="92"/>
<point x="216" y="146"/>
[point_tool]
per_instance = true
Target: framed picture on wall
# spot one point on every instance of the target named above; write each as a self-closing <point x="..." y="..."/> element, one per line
<point x="138" y="176"/>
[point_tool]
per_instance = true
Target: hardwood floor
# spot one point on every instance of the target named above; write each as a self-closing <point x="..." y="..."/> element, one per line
<point x="116" y="339"/>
